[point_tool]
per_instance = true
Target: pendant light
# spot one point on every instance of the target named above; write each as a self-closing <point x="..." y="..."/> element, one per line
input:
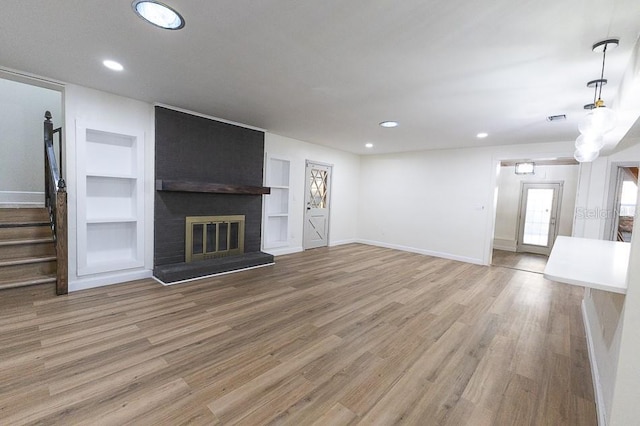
<point x="600" y="119"/>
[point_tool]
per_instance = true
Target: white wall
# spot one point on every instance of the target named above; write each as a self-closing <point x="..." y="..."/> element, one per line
<point x="509" y="190"/>
<point x="343" y="218"/>
<point x="438" y="202"/>
<point x="22" y="108"/>
<point x="607" y="316"/>
<point x="625" y="409"/>
<point x="92" y="106"/>
<point x="432" y="202"/>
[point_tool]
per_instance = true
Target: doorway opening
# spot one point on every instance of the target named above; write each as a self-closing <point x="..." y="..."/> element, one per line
<point x="23" y="103"/>
<point x="625" y="202"/>
<point x="531" y="210"/>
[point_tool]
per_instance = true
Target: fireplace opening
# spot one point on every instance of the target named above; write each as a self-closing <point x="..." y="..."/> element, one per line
<point x="211" y="237"/>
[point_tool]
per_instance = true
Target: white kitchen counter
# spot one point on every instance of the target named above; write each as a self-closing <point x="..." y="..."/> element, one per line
<point x="589" y="263"/>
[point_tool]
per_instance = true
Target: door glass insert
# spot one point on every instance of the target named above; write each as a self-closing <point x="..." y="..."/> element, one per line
<point x="538" y="216"/>
<point x="234" y="231"/>
<point x="212" y="238"/>
<point x="198" y="246"/>
<point x="318" y="189"/>
<point x="223" y="242"/>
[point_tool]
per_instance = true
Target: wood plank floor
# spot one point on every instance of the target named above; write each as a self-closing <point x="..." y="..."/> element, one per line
<point x="347" y="335"/>
<point x="523" y="261"/>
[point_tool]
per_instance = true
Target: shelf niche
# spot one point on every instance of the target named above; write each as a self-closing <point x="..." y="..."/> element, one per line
<point x="276" y="226"/>
<point x="110" y="177"/>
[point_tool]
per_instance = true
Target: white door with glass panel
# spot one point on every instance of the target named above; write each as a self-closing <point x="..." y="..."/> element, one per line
<point x="539" y="214"/>
<point x="316" y="217"/>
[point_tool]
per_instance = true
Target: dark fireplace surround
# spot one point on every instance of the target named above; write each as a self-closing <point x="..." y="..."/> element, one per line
<point x="205" y="168"/>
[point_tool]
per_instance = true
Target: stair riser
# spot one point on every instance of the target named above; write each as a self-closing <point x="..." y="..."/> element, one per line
<point x="25" y="232"/>
<point x="21" y="215"/>
<point x="27" y="250"/>
<point x="21" y="272"/>
<point x="16" y="284"/>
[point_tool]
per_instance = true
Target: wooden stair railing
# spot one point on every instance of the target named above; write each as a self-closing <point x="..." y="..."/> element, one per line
<point x="56" y="202"/>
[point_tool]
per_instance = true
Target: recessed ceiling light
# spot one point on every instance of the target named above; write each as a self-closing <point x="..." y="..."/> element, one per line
<point x="113" y="65"/>
<point x="158" y="14"/>
<point x="482" y="135"/>
<point x="369" y="145"/>
<point x="389" y="124"/>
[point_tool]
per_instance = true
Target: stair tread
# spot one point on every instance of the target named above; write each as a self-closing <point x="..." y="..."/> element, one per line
<point x="26" y="260"/>
<point x="5" y="284"/>
<point x="21" y="241"/>
<point x="23" y="223"/>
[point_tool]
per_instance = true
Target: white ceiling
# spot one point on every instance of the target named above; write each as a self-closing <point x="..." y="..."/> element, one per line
<point x="329" y="71"/>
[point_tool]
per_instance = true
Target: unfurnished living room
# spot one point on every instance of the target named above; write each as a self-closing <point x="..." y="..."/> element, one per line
<point x="319" y="213"/>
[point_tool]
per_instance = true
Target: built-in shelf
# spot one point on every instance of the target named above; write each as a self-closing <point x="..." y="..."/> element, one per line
<point x="110" y="199"/>
<point x="276" y="217"/>
<point x="209" y="187"/>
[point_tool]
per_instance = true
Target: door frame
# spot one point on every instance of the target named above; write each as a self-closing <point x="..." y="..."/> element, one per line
<point x="304" y="200"/>
<point x="615" y="185"/>
<point x="520" y="246"/>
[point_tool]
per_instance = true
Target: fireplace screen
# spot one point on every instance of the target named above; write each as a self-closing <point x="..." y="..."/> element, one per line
<point x="210" y="237"/>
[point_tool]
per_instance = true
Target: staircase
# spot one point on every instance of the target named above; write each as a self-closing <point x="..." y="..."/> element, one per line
<point x="27" y="248"/>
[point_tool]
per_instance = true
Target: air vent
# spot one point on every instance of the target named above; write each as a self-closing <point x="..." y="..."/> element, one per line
<point x="559" y="117"/>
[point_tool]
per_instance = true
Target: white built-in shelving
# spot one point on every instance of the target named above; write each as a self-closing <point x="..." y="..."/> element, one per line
<point x="110" y="199"/>
<point x="276" y="223"/>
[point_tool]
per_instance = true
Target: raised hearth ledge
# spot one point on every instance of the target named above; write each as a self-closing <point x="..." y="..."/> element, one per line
<point x="208" y="187"/>
<point x="181" y="272"/>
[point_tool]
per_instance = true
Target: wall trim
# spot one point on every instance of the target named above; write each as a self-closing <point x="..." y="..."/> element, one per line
<point x="442" y="255"/>
<point x="505" y="245"/>
<point x="105" y="280"/>
<point x="283" y="251"/>
<point x="595" y="375"/>
<point x="17" y="199"/>
<point x="343" y="242"/>
<point x="32" y="79"/>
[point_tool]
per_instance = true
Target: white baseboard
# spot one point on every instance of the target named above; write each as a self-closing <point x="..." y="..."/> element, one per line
<point x="21" y="199"/>
<point x="505" y="245"/>
<point x="595" y="375"/>
<point x="283" y="250"/>
<point x="291" y="250"/>
<point x="422" y="251"/>
<point x="343" y="242"/>
<point x="108" y="279"/>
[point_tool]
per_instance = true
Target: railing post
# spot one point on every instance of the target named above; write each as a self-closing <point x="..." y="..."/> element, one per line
<point x="48" y="128"/>
<point x="56" y="201"/>
<point x="62" y="284"/>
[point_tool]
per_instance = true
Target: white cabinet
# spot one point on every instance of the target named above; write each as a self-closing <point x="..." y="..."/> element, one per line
<point x="110" y="199"/>
<point x="276" y="223"/>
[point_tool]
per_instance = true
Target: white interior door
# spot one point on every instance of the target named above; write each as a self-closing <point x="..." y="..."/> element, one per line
<point x="539" y="213"/>
<point x="316" y="217"/>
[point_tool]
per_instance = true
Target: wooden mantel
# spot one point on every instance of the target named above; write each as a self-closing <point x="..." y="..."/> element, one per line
<point x="208" y="187"/>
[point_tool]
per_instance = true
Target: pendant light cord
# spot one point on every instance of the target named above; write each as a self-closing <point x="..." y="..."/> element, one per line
<point x="604" y="56"/>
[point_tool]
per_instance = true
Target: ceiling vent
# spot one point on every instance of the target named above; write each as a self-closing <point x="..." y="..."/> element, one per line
<point x="559" y="117"/>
